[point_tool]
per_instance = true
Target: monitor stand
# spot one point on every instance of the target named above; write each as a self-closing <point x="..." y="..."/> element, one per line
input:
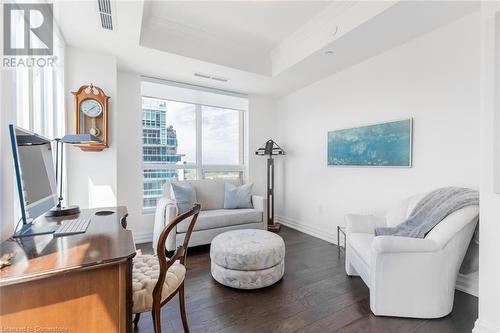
<point x="34" y="229"/>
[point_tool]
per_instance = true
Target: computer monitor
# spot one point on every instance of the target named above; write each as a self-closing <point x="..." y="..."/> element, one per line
<point x="36" y="181"/>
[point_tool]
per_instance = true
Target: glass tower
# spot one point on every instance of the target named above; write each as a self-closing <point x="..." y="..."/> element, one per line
<point x="159" y="146"/>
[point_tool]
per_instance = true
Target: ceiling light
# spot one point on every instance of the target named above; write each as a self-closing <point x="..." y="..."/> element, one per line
<point x="329" y="52"/>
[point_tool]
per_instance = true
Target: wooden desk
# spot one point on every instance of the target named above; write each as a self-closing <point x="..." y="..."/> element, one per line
<point x="77" y="283"/>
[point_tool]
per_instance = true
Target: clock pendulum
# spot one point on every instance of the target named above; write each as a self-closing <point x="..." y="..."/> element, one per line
<point x="94" y="130"/>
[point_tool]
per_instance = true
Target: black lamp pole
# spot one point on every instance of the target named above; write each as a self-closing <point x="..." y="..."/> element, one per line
<point x="271" y="148"/>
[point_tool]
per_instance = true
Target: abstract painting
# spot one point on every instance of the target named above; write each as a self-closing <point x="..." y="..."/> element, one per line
<point x="381" y="145"/>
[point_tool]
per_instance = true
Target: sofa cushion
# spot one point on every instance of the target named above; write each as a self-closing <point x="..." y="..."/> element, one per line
<point x="362" y="244"/>
<point x="216" y="218"/>
<point x="185" y="196"/>
<point x="209" y="192"/>
<point x="238" y="196"/>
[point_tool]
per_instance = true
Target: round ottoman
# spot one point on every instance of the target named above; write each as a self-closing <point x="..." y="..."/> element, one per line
<point x="247" y="259"/>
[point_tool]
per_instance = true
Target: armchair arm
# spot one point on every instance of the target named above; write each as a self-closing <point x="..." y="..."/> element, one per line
<point x="410" y="276"/>
<point x="363" y="223"/>
<point x="396" y="244"/>
<point x="260" y="203"/>
<point x="166" y="210"/>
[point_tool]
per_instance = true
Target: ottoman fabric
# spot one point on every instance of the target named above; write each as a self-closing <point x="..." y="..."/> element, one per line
<point x="248" y="249"/>
<point x="248" y="279"/>
<point x="247" y="259"/>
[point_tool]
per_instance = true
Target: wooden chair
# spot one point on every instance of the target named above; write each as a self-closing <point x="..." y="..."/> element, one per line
<point x="156" y="279"/>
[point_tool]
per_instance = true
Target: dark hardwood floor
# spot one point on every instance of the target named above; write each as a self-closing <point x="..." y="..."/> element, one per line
<point x="315" y="295"/>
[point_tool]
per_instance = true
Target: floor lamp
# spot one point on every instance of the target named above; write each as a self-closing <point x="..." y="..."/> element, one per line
<point x="270" y="149"/>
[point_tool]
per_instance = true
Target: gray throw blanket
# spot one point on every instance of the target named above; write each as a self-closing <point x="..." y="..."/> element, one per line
<point x="431" y="210"/>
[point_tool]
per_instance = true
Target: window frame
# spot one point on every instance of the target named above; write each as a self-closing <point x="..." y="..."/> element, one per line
<point x="198" y="166"/>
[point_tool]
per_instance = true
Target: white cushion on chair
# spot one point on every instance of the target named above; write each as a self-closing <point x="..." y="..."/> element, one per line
<point x="145" y="274"/>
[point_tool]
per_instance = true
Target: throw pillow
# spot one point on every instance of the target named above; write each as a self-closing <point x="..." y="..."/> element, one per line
<point x="238" y="196"/>
<point x="184" y="195"/>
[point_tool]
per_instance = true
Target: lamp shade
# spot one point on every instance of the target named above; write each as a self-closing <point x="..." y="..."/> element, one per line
<point x="80" y="138"/>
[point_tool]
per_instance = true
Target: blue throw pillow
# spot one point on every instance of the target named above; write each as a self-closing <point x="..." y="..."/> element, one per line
<point x="238" y="196"/>
<point x="184" y="195"/>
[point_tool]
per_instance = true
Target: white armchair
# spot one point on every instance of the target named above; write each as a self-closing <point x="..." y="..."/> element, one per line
<point x="409" y="277"/>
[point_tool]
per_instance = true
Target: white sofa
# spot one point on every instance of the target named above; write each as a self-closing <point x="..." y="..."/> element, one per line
<point x="409" y="277"/>
<point x="213" y="218"/>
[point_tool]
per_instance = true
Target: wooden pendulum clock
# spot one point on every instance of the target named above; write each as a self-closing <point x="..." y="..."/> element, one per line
<point x="91" y="116"/>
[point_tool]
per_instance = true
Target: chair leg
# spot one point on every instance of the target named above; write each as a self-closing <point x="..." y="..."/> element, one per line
<point x="182" y="304"/>
<point x="156" y="319"/>
<point x="136" y="319"/>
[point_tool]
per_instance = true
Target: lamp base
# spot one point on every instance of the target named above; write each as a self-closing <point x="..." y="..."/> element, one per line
<point x="63" y="211"/>
<point x="275" y="227"/>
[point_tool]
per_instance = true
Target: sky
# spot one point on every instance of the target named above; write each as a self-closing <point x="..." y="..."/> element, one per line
<point x="220" y="132"/>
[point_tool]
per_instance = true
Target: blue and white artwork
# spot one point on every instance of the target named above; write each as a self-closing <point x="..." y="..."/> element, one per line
<point x="381" y="145"/>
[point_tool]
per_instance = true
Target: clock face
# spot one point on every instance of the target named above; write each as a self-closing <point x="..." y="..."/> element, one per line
<point x="91" y="108"/>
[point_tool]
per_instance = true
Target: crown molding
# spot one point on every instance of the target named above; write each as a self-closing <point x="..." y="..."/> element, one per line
<point x="329" y="25"/>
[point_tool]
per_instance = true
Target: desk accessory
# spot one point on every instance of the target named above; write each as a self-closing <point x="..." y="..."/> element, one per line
<point x="74" y="139"/>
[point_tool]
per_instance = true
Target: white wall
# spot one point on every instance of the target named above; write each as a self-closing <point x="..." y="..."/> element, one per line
<point x="130" y="155"/>
<point x="261" y="127"/>
<point x="434" y="79"/>
<point x="489" y="228"/>
<point x="7" y="175"/>
<point x="91" y="176"/>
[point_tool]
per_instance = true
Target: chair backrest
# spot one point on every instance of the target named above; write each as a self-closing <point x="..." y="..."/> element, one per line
<point x="209" y="192"/>
<point x="180" y="253"/>
<point x="444" y="231"/>
<point x="464" y="219"/>
<point x="400" y="212"/>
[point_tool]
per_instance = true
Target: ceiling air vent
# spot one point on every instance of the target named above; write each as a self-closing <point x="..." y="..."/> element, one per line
<point x="218" y="78"/>
<point x="211" y="77"/>
<point x="105" y="14"/>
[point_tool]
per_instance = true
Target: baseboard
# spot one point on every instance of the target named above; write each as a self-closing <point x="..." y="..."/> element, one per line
<point x="467" y="284"/>
<point x="313" y="231"/>
<point x="480" y="326"/>
<point x="146" y="237"/>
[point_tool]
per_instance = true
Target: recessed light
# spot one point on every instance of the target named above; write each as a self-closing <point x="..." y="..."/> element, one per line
<point x="329" y="52"/>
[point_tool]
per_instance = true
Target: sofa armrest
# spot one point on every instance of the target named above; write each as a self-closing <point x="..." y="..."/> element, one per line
<point x="260" y="203"/>
<point x="166" y="210"/>
<point x="396" y="244"/>
<point x="363" y="223"/>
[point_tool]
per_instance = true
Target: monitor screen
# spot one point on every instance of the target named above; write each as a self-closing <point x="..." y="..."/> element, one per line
<point x="33" y="160"/>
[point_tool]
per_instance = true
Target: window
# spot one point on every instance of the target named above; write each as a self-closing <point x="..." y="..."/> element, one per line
<point x="185" y="139"/>
<point x="222" y="136"/>
<point x="38" y="99"/>
<point x="35" y="102"/>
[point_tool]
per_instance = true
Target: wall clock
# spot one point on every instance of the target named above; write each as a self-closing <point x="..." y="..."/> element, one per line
<point x="91" y="116"/>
